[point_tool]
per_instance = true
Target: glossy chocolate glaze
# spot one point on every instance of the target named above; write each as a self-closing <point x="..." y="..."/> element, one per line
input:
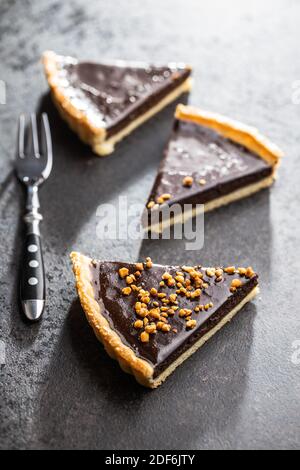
<point x="115" y="94"/>
<point x="163" y="348"/>
<point x="202" y="153"/>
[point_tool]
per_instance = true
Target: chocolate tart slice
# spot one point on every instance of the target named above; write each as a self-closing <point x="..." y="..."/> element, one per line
<point x="151" y="318"/>
<point x="104" y="102"/>
<point x="210" y="160"/>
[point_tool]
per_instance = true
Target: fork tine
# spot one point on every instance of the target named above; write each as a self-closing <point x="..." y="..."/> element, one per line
<point x="21" y="136"/>
<point x="35" y="137"/>
<point x="46" y="145"/>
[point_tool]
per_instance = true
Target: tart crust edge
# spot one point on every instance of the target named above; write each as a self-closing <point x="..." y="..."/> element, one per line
<point x="77" y="120"/>
<point x="128" y="361"/>
<point x="240" y="133"/>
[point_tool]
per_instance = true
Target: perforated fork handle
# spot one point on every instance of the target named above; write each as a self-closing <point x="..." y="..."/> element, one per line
<point x="32" y="288"/>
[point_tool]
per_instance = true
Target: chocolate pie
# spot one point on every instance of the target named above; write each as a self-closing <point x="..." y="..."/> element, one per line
<point x="210" y="160"/>
<point x="151" y="318"/>
<point x="104" y="102"/>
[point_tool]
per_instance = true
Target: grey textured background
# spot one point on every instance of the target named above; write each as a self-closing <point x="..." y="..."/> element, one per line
<point x="58" y="387"/>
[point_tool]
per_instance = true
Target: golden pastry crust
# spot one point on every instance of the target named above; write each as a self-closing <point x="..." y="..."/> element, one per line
<point x="129" y="362"/>
<point x="77" y="119"/>
<point x="244" y="135"/>
<point x="80" y="122"/>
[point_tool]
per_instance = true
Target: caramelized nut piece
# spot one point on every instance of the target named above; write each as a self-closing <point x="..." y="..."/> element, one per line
<point x="173" y="297"/>
<point x="249" y="272"/>
<point x="187" y="269"/>
<point x="202" y="182"/>
<point x="126" y="291"/>
<point x="153" y="291"/>
<point x="219" y="272"/>
<point x="138" y="324"/>
<point x="144" y="337"/>
<point x="129" y="280"/>
<point x="230" y="270"/>
<point x="236" y="283"/>
<point x="166" y="276"/>
<point x="150" y="328"/>
<point x="142" y="313"/>
<point x="196" y="294"/>
<point x="191" y="324"/>
<point x="154" y="313"/>
<point x="137" y="306"/>
<point x="159" y="325"/>
<point x="150" y="204"/>
<point x="161" y="295"/>
<point x="210" y="272"/>
<point x="166" y="327"/>
<point x="123" y="272"/>
<point x="139" y="266"/>
<point x="187" y="181"/>
<point x="149" y="263"/>
<point x="242" y="271"/>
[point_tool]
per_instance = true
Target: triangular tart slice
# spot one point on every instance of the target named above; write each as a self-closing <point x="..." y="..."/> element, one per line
<point x="151" y="318"/>
<point x="104" y="102"/>
<point x="211" y="160"/>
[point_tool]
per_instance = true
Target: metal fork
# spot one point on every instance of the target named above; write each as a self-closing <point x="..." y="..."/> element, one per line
<point x="33" y="166"/>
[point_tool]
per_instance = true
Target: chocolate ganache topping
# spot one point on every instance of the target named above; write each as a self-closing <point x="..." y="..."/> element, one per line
<point x="114" y="94"/>
<point x="156" y="317"/>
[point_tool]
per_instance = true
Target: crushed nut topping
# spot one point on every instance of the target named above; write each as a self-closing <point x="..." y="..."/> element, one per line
<point x="164" y="197"/>
<point x="150" y="204"/>
<point x="155" y="309"/>
<point x="166" y="276"/>
<point x="191" y="324"/>
<point x="236" y="283"/>
<point x="130" y="279"/>
<point x="123" y="272"/>
<point x="149" y="263"/>
<point x="139" y="266"/>
<point x="166" y="327"/>
<point x="187" y="181"/>
<point x="126" y="291"/>
<point x="138" y="324"/>
<point x="144" y="337"/>
<point x="249" y="272"/>
<point x="230" y="270"/>
<point x="150" y="328"/>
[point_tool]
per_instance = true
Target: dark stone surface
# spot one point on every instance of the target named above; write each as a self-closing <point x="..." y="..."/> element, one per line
<point x="58" y="388"/>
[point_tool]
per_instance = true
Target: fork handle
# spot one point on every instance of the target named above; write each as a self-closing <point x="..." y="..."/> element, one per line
<point x="32" y="289"/>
